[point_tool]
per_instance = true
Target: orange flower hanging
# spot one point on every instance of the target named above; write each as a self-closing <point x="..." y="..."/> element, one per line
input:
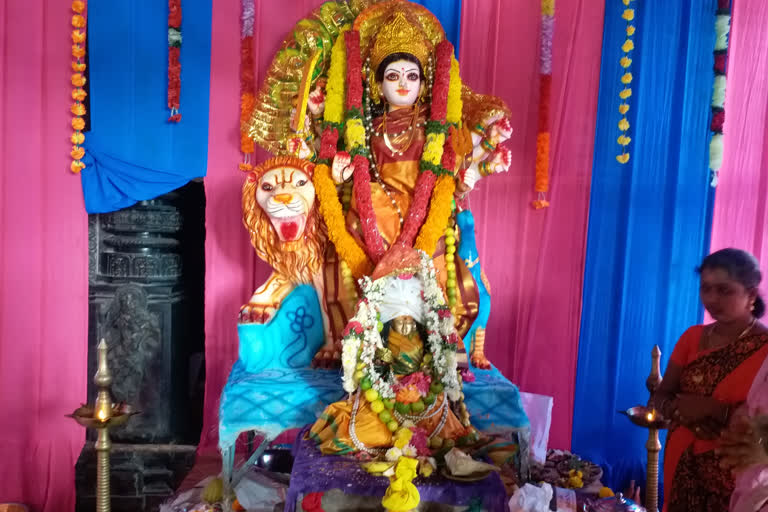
<point x="78" y="81"/>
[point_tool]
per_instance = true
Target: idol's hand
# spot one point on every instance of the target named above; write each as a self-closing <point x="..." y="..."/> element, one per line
<point x="499" y="131"/>
<point x="341" y="170"/>
<point x="500" y="160"/>
<point x="316" y="101"/>
<point x="469" y="178"/>
<point x="299" y="147"/>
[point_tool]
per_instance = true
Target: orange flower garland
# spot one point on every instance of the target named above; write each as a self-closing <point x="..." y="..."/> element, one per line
<point x="330" y="208"/>
<point x="78" y="82"/>
<point x="439" y="213"/>
<point x="541" y="184"/>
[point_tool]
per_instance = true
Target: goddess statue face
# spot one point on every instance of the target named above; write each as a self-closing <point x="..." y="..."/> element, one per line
<point x="286" y="195"/>
<point x="404" y="325"/>
<point x="402" y="83"/>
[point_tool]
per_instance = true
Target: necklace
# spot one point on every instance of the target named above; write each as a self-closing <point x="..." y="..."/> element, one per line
<point x="411" y="128"/>
<point x="743" y="333"/>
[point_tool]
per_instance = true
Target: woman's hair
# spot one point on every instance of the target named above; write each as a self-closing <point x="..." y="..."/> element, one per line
<point x="742" y="267"/>
<point x="389" y="59"/>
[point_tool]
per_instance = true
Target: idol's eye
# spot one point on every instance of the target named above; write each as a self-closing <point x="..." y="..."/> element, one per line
<point x="392" y="76"/>
<point x="266" y="187"/>
<point x="301" y="183"/>
<point x="413" y="76"/>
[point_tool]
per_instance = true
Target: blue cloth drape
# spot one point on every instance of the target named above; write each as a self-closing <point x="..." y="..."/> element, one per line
<point x="649" y="222"/>
<point x="449" y="14"/>
<point x="133" y="153"/>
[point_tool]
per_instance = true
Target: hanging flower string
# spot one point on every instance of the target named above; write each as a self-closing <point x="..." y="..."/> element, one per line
<point x="78" y="82"/>
<point x="722" y="28"/>
<point x="626" y="79"/>
<point x="541" y="185"/>
<point x="247" y="81"/>
<point x="174" y="64"/>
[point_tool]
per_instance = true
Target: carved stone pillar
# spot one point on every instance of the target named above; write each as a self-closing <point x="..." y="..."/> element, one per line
<point x="146" y="299"/>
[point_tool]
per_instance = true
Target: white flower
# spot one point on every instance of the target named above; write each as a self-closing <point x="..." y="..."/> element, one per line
<point x="409" y="451"/>
<point x="393" y="454"/>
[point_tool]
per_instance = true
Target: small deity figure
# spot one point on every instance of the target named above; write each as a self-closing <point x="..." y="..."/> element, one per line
<point x="399" y="361"/>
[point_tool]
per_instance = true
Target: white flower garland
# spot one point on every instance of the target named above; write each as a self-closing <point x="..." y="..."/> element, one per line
<point x="362" y="337"/>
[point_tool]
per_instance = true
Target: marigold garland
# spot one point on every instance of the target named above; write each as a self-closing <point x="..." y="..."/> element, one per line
<point x="722" y="29"/>
<point x="78" y="82"/>
<point x="439" y="212"/>
<point x="330" y="208"/>
<point x="247" y="82"/>
<point x="541" y="182"/>
<point x="174" y="64"/>
<point x="626" y="79"/>
<point x="455" y="103"/>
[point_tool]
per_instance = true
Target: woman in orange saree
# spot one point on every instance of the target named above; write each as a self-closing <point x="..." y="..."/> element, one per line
<point x="709" y="375"/>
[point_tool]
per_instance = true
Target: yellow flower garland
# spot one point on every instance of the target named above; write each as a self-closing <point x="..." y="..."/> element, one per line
<point x="354" y="134"/>
<point x="334" y="101"/>
<point x="439" y="212"/>
<point x="453" y="112"/>
<point x="330" y="208"/>
<point x="78" y="81"/>
<point x="433" y="148"/>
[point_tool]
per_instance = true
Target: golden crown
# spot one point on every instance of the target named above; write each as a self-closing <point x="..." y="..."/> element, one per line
<point x="400" y="33"/>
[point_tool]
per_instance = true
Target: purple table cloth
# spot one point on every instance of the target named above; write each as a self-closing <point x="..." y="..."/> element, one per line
<point x="315" y="472"/>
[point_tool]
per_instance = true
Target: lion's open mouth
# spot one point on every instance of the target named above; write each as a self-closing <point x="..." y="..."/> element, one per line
<point x="289" y="228"/>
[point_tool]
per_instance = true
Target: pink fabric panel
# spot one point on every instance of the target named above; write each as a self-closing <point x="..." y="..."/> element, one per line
<point x="740" y="216"/>
<point x="43" y="260"/>
<point x="232" y="269"/>
<point x="535" y="259"/>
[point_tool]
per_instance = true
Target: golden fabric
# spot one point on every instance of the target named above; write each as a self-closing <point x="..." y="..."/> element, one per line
<point x="398" y="173"/>
<point x="407" y="351"/>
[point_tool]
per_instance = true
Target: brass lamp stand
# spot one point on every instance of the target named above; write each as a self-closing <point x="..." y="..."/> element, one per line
<point x="102" y="416"/>
<point x="648" y="417"/>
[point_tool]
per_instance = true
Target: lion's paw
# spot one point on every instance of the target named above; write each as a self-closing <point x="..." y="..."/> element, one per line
<point x="327" y="357"/>
<point x="256" y="313"/>
<point x="479" y="361"/>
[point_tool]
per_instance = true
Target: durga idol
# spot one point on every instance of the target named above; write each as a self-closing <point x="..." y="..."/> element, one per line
<point x="399" y="142"/>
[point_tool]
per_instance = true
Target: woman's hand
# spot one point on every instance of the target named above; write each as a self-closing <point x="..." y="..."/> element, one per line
<point x="745" y="443"/>
<point x="703" y="415"/>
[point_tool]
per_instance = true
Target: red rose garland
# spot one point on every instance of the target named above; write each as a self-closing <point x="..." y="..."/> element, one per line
<point x="174" y="65"/>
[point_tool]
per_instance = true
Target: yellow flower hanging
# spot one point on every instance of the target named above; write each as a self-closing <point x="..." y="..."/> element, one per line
<point x="630" y="30"/>
<point x="623" y="108"/>
<point x="629" y="14"/>
<point x="623" y="140"/>
<point x="625" y="62"/>
<point x="626" y="78"/>
<point x="622" y="158"/>
<point x="625" y="93"/>
<point x="625" y="2"/>
<point x="628" y="46"/>
<point x="623" y="124"/>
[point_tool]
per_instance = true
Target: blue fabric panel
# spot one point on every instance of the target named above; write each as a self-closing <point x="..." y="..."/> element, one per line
<point x="290" y="339"/>
<point x="648" y="222"/>
<point x="468" y="252"/>
<point x="134" y="154"/>
<point x="449" y="14"/>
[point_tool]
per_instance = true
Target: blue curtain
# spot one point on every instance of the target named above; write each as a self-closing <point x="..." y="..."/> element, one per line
<point x="449" y="14"/>
<point x="649" y="222"/>
<point x="133" y="153"/>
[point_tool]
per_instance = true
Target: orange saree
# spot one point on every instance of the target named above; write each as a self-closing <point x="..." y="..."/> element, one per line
<point x="693" y="478"/>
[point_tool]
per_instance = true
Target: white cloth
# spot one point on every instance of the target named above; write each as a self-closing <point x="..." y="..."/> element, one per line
<point x="402" y="297"/>
<point x="531" y="498"/>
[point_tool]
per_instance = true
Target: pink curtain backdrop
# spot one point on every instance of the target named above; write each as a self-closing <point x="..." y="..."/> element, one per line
<point x="534" y="260"/>
<point x="740" y="216"/>
<point x="43" y="261"/>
